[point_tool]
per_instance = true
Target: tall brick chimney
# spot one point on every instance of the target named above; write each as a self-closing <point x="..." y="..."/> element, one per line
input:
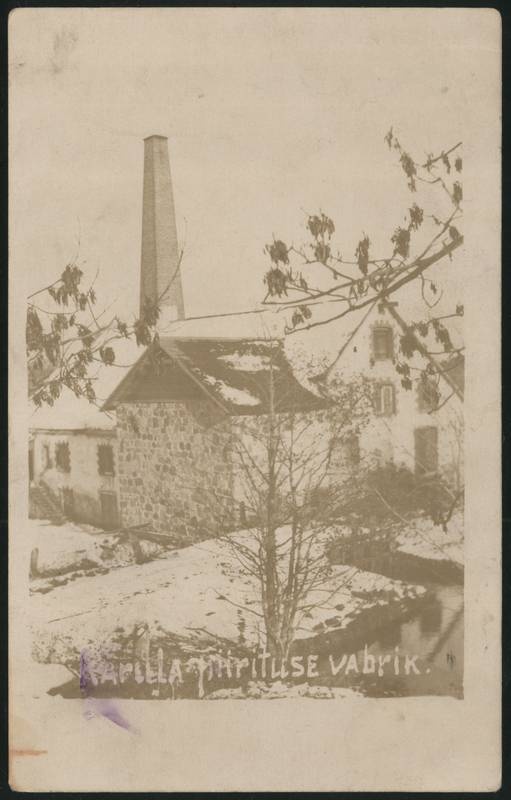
<point x="160" y="276"/>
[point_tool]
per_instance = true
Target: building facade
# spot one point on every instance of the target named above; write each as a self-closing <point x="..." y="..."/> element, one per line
<point x="158" y="452"/>
<point x="78" y="470"/>
<point x="180" y="420"/>
<point x="416" y="423"/>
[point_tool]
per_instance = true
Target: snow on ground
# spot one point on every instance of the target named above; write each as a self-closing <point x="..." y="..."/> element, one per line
<point x="63" y="547"/>
<point x="425" y="539"/>
<point x="420" y="537"/>
<point x="200" y="588"/>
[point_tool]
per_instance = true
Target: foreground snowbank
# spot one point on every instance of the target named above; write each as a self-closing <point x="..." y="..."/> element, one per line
<point x="196" y="590"/>
<point x="424" y="539"/>
<point x="75" y="546"/>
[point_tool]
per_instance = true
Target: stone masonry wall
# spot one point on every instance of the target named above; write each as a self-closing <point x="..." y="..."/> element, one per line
<point x="175" y="468"/>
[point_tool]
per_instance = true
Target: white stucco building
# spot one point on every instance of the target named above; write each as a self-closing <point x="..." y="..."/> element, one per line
<point x="73" y="460"/>
<point x="418" y="425"/>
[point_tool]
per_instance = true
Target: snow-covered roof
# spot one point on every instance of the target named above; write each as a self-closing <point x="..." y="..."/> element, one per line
<point x="238" y="374"/>
<point x="77" y="413"/>
<point x="70" y="413"/>
<point x="228" y="357"/>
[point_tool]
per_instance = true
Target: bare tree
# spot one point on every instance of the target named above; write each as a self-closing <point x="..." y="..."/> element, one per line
<point x="289" y="464"/>
<point x="315" y="277"/>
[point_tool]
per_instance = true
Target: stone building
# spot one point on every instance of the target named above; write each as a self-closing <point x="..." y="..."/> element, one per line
<point x="178" y="413"/>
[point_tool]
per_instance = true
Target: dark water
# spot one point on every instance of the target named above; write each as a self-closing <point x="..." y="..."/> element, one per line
<point x="434" y="634"/>
<point x="431" y="635"/>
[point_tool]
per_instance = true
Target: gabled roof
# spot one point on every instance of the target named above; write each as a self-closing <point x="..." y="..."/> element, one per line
<point x="233" y="371"/>
<point x="455" y="367"/>
<point x="238" y="375"/>
<point x="345" y="333"/>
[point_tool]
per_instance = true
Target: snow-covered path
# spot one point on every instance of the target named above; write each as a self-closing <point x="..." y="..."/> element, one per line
<point x="198" y="588"/>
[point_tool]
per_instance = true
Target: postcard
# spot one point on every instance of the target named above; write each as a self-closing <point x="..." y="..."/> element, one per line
<point x="254" y="400"/>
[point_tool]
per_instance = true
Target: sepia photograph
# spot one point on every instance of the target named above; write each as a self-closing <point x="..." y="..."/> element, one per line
<point x="243" y="295"/>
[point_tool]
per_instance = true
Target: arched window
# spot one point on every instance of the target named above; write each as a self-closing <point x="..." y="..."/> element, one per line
<point x="385" y="400"/>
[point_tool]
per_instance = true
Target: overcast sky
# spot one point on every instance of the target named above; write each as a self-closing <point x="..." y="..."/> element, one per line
<point x="269" y="113"/>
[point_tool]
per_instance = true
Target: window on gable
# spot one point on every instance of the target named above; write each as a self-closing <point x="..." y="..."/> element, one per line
<point x="106" y="459"/>
<point x="385" y="400"/>
<point x="427" y="394"/>
<point x="62" y="457"/>
<point x="383" y="346"/>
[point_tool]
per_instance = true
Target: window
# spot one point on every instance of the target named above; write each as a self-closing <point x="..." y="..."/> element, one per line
<point x="427" y="394"/>
<point x="385" y="401"/>
<point x="105" y="459"/>
<point x="62" y="457"/>
<point x="46" y="456"/>
<point x="383" y="347"/>
<point x="345" y="453"/>
<point x="352" y="450"/>
<point x="426" y="450"/>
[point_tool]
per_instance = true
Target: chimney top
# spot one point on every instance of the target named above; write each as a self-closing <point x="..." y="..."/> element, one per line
<point x="155" y="136"/>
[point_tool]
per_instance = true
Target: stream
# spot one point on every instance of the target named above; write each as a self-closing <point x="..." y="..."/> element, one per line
<point x="420" y="653"/>
<point x="433" y="633"/>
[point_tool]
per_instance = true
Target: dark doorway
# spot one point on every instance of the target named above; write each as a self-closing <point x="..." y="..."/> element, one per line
<point x="109" y="514"/>
<point x="426" y="450"/>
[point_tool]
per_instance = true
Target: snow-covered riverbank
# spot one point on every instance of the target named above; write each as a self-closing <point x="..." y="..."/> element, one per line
<point x="422" y="538"/>
<point x="196" y="590"/>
